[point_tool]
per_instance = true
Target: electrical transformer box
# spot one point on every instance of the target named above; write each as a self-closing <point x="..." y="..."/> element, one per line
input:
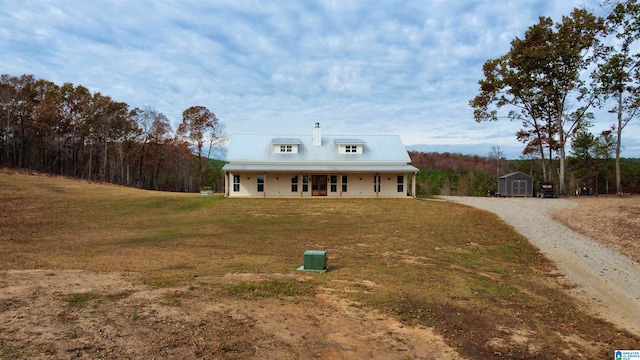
<point x="315" y="260"/>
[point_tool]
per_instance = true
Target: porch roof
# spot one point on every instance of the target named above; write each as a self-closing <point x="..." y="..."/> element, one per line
<point x="326" y="168"/>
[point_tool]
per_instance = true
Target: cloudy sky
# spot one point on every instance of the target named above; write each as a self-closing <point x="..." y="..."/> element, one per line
<point x="277" y="67"/>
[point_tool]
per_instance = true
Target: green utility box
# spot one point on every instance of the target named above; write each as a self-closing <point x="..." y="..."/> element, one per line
<point x="314" y="260"/>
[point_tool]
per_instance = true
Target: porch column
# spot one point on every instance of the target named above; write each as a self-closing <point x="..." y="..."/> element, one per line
<point x="226" y="184"/>
<point x="264" y="185"/>
<point x="413" y="185"/>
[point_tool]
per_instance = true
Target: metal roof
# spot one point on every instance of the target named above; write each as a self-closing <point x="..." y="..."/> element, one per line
<point x="349" y="141"/>
<point x="513" y="174"/>
<point x="377" y="150"/>
<point x="285" y="141"/>
<point x="320" y="168"/>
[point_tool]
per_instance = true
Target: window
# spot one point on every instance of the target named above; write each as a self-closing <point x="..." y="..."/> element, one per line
<point x="333" y="180"/>
<point x="236" y="183"/>
<point x="305" y="183"/>
<point x="285" y="145"/>
<point x="294" y="183"/>
<point x="376" y="183"/>
<point x="344" y="183"/>
<point x="400" y="183"/>
<point x="260" y="180"/>
<point x="350" y="146"/>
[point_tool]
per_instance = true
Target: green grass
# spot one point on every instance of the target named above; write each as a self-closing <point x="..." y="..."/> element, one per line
<point x="432" y="263"/>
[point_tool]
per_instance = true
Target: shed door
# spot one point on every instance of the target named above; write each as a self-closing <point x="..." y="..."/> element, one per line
<point x="519" y="188"/>
<point x="319" y="185"/>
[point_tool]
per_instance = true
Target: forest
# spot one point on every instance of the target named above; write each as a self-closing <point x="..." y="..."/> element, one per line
<point x="67" y="130"/>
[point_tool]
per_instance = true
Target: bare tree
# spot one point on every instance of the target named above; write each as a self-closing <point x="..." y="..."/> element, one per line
<point x="496" y="156"/>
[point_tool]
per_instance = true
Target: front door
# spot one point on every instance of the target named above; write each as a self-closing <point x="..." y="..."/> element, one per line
<point x="319" y="185"/>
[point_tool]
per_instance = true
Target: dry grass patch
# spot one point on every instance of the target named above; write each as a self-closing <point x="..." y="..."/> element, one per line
<point x="429" y="264"/>
<point x="611" y="220"/>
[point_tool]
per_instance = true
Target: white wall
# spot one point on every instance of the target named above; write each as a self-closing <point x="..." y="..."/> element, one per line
<point x="358" y="185"/>
<point x="280" y="185"/>
<point x="364" y="185"/>
<point x="248" y="185"/>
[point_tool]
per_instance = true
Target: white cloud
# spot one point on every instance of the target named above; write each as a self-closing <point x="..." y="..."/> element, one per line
<point x="404" y="67"/>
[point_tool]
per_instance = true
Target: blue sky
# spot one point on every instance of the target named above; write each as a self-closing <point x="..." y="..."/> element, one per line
<point x="277" y="67"/>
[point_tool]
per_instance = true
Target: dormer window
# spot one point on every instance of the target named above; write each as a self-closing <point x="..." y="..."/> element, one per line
<point x="285" y="146"/>
<point x="349" y="146"/>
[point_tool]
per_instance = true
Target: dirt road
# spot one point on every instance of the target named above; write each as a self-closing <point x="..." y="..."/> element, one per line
<point x="607" y="282"/>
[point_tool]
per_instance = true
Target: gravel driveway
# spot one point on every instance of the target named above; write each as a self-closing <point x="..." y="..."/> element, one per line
<point x="607" y="281"/>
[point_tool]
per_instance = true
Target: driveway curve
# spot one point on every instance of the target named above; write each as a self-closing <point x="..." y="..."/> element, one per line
<point x="607" y="282"/>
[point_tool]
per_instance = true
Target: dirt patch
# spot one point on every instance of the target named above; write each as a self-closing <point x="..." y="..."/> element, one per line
<point x="80" y="314"/>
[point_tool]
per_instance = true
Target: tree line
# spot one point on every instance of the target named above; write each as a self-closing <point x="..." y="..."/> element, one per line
<point x="473" y="175"/>
<point x="553" y="78"/>
<point x="70" y="131"/>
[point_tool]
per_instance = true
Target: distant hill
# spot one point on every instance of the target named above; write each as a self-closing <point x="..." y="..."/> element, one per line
<point x="513" y="152"/>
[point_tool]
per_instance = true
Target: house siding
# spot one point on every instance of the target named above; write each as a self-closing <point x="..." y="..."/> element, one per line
<point x="279" y="185"/>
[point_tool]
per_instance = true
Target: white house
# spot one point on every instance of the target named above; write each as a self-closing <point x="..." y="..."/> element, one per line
<point x="317" y="165"/>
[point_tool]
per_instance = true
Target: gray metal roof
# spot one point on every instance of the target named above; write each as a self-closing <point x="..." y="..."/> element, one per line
<point x="349" y="141"/>
<point x="320" y="168"/>
<point x="513" y="174"/>
<point x="378" y="151"/>
<point x="285" y="141"/>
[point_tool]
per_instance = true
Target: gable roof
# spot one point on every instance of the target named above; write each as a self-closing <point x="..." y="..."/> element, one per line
<point x="515" y="173"/>
<point x="379" y="153"/>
